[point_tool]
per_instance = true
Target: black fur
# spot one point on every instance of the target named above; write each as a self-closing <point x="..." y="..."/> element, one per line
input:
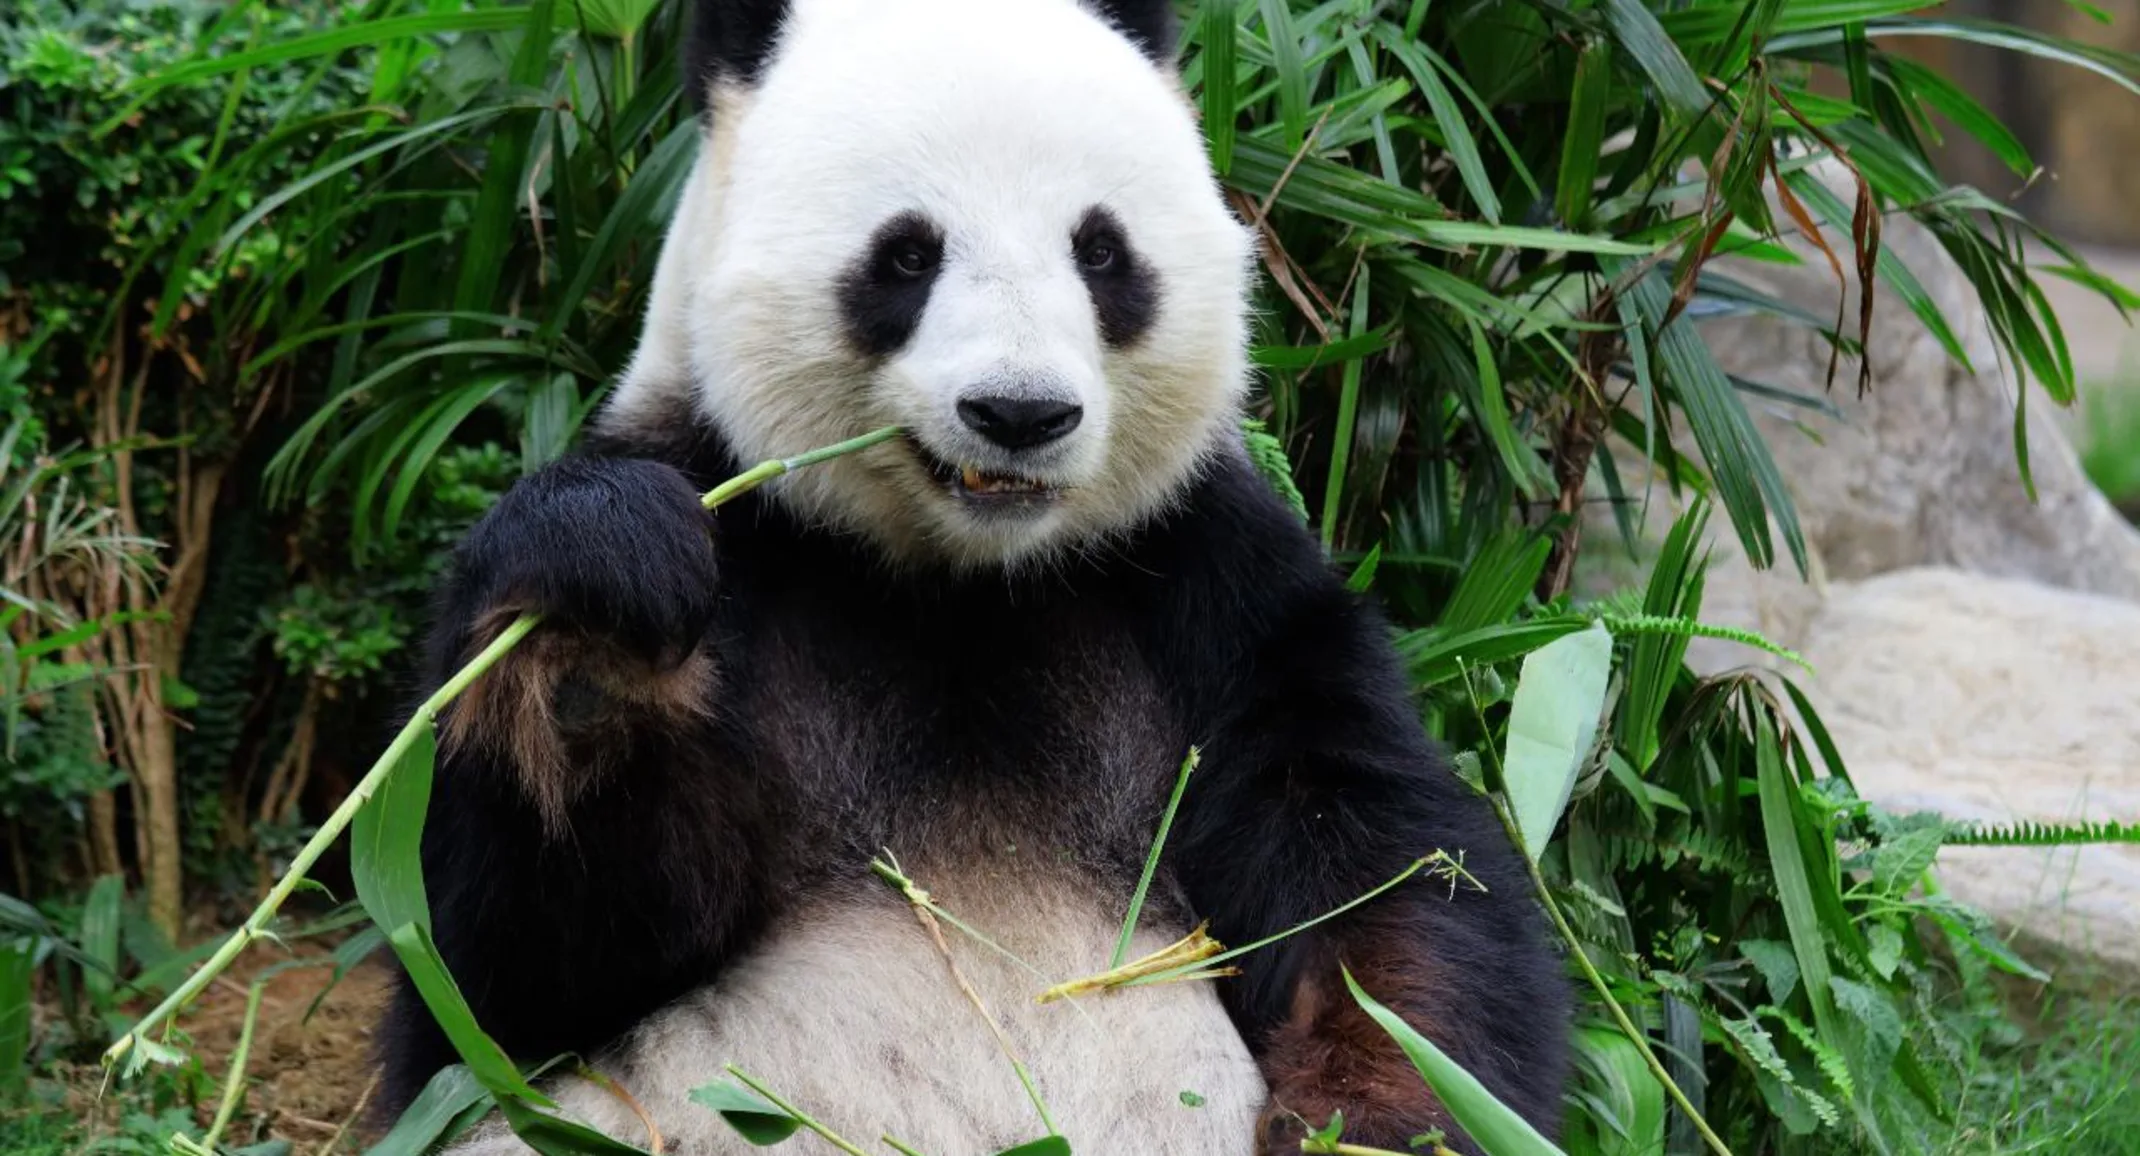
<point x="1042" y="710"/>
<point x="733" y="40"/>
<point x="883" y="294"/>
<point x="620" y="547"/>
<point x="728" y="40"/>
<point x="1124" y="289"/>
<point x="1148" y="24"/>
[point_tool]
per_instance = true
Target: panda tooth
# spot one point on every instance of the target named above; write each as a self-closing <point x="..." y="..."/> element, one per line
<point x="970" y="478"/>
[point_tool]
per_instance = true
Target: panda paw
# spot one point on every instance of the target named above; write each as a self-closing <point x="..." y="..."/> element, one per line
<point x="615" y="549"/>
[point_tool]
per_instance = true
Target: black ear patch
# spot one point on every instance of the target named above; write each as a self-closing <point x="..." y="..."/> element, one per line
<point x="1149" y="24"/>
<point x="731" y="40"/>
<point x="728" y="40"/>
<point x="1125" y="292"/>
<point x="883" y="294"/>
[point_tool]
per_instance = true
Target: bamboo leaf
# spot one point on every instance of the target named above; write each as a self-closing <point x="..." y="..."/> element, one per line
<point x="1217" y="33"/>
<point x="496" y="214"/>
<point x="1456" y="134"/>
<point x="419" y="957"/>
<point x="1781" y="824"/>
<point x="328" y="42"/>
<point x="750" y="1115"/>
<point x="1636" y="1101"/>
<point x="1292" y="69"/>
<point x="1581" y="148"/>
<point x="386" y="841"/>
<point x="1433" y="657"/>
<point x="1045" y="1146"/>
<point x="1497" y="1129"/>
<point x="1551" y="724"/>
<point x="1745" y="474"/>
<point x="99" y="938"/>
<point x="452" y="1101"/>
<point x="1657" y="54"/>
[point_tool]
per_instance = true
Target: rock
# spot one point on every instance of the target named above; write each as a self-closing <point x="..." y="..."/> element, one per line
<point x="1975" y="653"/>
<point x="1921" y="471"/>
<point x="1995" y="700"/>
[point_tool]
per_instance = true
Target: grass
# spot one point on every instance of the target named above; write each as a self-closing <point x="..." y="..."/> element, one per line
<point x="2110" y="443"/>
<point x="2072" y="1088"/>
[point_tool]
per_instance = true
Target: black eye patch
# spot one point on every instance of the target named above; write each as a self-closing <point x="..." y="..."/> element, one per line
<point x="883" y="294"/>
<point x="1125" y="292"/>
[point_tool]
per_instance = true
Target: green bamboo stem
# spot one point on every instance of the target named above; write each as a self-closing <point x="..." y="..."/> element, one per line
<point x="255" y="925"/>
<point x="234" y="1088"/>
<point x="796" y="1114"/>
<point x="1620" y="1017"/>
<point x="1151" y="861"/>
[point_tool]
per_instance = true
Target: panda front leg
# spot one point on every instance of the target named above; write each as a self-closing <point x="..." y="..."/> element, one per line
<point x="617" y="556"/>
<point x="585" y="854"/>
<point x="1320" y="787"/>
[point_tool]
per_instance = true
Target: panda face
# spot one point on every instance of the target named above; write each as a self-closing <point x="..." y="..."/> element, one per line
<point x="989" y="222"/>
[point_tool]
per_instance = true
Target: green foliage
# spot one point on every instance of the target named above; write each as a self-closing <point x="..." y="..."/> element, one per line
<point x="78" y="963"/>
<point x="1497" y="1130"/>
<point x="357" y="249"/>
<point x="2027" y="834"/>
<point x="84" y="212"/>
<point x="2110" y="444"/>
<point x="51" y="750"/>
<point x="2068" y="1088"/>
<point x="413" y="278"/>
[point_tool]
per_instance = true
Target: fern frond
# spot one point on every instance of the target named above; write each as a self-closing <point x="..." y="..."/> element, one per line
<point x="1706" y="849"/>
<point x="1759" y="1047"/>
<point x="1831" y="1062"/>
<point x="1268" y="454"/>
<point x="2031" y="834"/>
<point x="1656" y="624"/>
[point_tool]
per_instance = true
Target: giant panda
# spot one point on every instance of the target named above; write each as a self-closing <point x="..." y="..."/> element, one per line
<point x="983" y="649"/>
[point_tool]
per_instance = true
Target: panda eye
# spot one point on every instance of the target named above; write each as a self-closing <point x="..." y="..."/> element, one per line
<point x="1097" y="256"/>
<point x="911" y="260"/>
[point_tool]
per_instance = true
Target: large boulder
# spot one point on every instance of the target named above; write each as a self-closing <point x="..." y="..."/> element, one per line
<point x="1921" y="470"/>
<point x="1993" y="700"/>
<point x="1975" y="652"/>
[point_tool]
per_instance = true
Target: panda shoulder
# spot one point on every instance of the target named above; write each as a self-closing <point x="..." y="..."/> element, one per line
<point x="664" y="428"/>
<point x="1232" y="537"/>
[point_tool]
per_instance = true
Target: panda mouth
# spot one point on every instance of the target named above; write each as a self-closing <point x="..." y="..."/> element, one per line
<point x="985" y="488"/>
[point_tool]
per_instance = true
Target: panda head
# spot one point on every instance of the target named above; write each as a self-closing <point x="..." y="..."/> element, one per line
<point x="989" y="222"/>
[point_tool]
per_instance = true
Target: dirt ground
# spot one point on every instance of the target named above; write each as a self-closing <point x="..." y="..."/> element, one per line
<point x="308" y="1078"/>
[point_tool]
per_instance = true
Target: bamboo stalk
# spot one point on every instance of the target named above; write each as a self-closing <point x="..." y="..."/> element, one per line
<point x="255" y="925"/>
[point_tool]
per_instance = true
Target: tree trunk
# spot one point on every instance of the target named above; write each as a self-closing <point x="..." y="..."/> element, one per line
<point x="104" y="835"/>
<point x="163" y="870"/>
<point x="147" y="650"/>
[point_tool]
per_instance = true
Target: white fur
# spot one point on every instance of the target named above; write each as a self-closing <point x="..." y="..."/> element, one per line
<point x="850" y="1013"/>
<point x="1003" y="121"/>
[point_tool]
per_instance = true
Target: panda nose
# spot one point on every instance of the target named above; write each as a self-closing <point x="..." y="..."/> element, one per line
<point x="1019" y="423"/>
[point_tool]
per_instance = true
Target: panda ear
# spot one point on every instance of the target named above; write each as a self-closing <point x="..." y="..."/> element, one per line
<point x="728" y="40"/>
<point x="1149" y="24"/>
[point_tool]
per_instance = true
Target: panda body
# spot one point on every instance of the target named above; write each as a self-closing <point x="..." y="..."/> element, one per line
<point x="982" y="649"/>
<point x="1164" y="1071"/>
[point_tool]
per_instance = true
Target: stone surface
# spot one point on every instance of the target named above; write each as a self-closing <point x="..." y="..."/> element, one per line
<point x="1921" y="471"/>
<point x="1974" y="653"/>
<point x="1995" y="700"/>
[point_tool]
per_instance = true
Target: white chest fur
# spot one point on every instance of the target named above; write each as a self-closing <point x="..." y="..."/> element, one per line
<point x="851" y="1012"/>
